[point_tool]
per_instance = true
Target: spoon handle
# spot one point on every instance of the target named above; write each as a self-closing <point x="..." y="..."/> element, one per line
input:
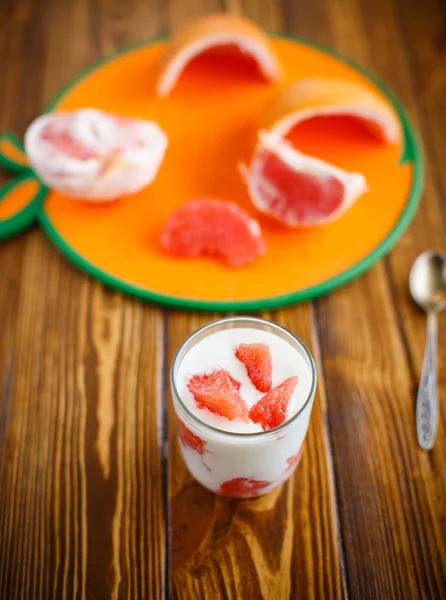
<point x="427" y="397"/>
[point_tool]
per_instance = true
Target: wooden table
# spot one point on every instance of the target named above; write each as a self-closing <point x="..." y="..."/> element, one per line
<point x="95" y="501"/>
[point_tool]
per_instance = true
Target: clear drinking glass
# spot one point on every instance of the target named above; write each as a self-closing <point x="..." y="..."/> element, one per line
<point x="241" y="465"/>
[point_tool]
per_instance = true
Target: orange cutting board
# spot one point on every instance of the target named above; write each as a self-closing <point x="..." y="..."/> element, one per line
<point x="211" y="119"/>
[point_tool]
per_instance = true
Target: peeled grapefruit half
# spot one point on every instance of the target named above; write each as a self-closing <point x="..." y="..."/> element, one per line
<point x="321" y="97"/>
<point x="296" y="189"/>
<point x="208" y="227"/>
<point x="94" y="155"/>
<point x="212" y="31"/>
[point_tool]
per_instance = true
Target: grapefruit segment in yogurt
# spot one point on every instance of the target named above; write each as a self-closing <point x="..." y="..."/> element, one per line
<point x="258" y="364"/>
<point x="219" y="393"/>
<point x="271" y="410"/>
<point x="243" y="487"/>
<point x="190" y="439"/>
<point x="294" y="460"/>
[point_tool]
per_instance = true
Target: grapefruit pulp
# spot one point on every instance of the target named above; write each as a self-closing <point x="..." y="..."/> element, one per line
<point x="243" y="487"/>
<point x="258" y="364"/>
<point x="94" y="155"/>
<point x="219" y="393"/>
<point x="270" y="411"/>
<point x="296" y="189"/>
<point x="208" y="227"/>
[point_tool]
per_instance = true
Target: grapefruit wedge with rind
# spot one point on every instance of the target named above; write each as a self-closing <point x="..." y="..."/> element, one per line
<point x="94" y="155"/>
<point x="296" y="189"/>
<point x="325" y="97"/>
<point x="213" y="31"/>
<point x="209" y="227"/>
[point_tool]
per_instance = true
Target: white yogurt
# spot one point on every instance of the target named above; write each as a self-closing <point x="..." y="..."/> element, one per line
<point x="217" y="351"/>
<point x="229" y="453"/>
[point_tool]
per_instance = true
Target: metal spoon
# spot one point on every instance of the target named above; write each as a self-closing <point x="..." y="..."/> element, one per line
<point x="427" y="284"/>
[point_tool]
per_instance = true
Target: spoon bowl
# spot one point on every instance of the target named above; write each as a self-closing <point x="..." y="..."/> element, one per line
<point x="427" y="281"/>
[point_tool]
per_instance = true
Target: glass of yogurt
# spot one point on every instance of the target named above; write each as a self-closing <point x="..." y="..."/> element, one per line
<point x="243" y="390"/>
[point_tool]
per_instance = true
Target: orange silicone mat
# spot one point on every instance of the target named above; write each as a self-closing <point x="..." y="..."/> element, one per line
<point x="211" y="119"/>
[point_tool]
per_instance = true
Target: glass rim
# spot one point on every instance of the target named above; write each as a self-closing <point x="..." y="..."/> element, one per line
<point x="235" y="434"/>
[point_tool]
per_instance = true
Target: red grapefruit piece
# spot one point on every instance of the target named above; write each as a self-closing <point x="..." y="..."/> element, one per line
<point x="94" y="155"/>
<point x="296" y="189"/>
<point x="270" y="411"/>
<point x="212" y="31"/>
<point x="219" y="393"/>
<point x="322" y="97"/>
<point x="294" y="460"/>
<point x="258" y="363"/>
<point x="190" y="439"/>
<point x="208" y="227"/>
<point x="243" y="487"/>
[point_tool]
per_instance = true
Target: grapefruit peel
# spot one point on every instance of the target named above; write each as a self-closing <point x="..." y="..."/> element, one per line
<point x="324" y="97"/>
<point x="294" y="104"/>
<point x="213" y="31"/>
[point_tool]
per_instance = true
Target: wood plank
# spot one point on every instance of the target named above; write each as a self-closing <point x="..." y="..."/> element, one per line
<point x="429" y="226"/>
<point x="428" y="229"/>
<point x="423" y="33"/>
<point x="82" y="476"/>
<point x="389" y="491"/>
<point x="81" y="501"/>
<point x="81" y="483"/>
<point x="20" y="22"/>
<point x="221" y="546"/>
<point x="422" y="36"/>
<point x="179" y="11"/>
<point x="308" y="19"/>
<point x="10" y="261"/>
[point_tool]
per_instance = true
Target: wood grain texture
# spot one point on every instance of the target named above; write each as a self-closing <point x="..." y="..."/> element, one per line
<point x="81" y="483"/>
<point x="373" y="360"/>
<point x="263" y="546"/>
<point x="95" y="500"/>
<point x="81" y="499"/>
<point x="283" y="545"/>
<point x="425" y="30"/>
